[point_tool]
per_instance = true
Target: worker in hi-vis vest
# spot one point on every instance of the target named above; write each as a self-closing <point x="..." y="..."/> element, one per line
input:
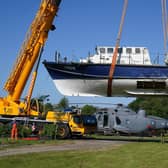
<point x="14" y="131"/>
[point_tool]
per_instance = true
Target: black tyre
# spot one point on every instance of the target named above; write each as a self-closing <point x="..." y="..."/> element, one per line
<point x="63" y="131"/>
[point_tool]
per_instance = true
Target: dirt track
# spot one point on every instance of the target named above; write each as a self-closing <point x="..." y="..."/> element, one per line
<point x="70" y="145"/>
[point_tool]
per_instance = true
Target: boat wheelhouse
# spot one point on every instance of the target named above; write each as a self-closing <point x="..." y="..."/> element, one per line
<point x="126" y="55"/>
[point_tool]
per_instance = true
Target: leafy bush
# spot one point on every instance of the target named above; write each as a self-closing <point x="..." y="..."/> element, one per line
<point x="24" y="131"/>
<point x="88" y="109"/>
<point x="46" y="130"/>
<point x="49" y="130"/>
<point x="5" y="130"/>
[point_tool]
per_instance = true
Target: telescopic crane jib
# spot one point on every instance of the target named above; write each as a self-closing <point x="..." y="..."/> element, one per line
<point x="29" y="53"/>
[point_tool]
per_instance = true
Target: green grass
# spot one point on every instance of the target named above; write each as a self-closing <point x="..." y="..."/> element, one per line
<point x="132" y="155"/>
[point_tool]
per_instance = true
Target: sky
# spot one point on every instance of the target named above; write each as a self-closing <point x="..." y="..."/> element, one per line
<point x="81" y="25"/>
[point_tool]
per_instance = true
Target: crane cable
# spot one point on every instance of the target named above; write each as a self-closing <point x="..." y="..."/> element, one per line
<point x="165" y="27"/>
<point x="114" y="58"/>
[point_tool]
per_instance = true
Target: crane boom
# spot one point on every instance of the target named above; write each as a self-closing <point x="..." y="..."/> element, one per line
<point x="29" y="52"/>
<point x="27" y="57"/>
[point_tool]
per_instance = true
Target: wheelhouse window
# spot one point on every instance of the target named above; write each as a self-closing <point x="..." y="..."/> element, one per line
<point x="137" y="50"/>
<point x="128" y="50"/>
<point x="102" y="50"/>
<point x="120" y="50"/>
<point x="109" y="50"/>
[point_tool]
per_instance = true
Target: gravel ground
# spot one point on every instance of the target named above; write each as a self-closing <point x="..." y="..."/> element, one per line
<point x="74" y="145"/>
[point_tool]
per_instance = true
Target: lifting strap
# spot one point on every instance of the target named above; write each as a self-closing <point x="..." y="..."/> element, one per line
<point x="114" y="58"/>
<point x="165" y="27"/>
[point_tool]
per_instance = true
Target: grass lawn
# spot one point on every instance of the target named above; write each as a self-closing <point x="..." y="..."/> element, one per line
<point x="132" y="155"/>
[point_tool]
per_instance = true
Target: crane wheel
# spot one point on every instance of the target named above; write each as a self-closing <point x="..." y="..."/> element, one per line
<point x="62" y="131"/>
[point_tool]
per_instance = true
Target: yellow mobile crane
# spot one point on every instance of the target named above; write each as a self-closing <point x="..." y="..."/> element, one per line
<point x="29" y="53"/>
<point x="10" y="106"/>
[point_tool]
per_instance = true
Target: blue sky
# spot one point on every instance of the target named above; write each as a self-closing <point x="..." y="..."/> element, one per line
<point x="81" y="25"/>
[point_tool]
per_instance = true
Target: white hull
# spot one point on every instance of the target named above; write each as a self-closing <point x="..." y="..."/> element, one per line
<point x="120" y="87"/>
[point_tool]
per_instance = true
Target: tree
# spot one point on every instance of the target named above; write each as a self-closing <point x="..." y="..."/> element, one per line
<point x="88" y="109"/>
<point x="63" y="103"/>
<point x="157" y="106"/>
<point x="48" y="107"/>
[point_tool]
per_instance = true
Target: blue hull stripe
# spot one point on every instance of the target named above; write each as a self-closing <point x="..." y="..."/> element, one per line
<point x="101" y="71"/>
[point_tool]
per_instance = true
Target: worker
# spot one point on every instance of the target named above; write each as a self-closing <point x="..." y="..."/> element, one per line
<point x="34" y="129"/>
<point x="14" y="131"/>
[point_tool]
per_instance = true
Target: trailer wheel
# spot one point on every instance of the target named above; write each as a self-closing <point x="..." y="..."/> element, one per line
<point x="62" y="131"/>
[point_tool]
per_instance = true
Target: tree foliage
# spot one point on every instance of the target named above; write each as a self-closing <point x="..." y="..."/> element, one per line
<point x="88" y="109"/>
<point x="48" y="107"/>
<point x="157" y="106"/>
<point x="63" y="103"/>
